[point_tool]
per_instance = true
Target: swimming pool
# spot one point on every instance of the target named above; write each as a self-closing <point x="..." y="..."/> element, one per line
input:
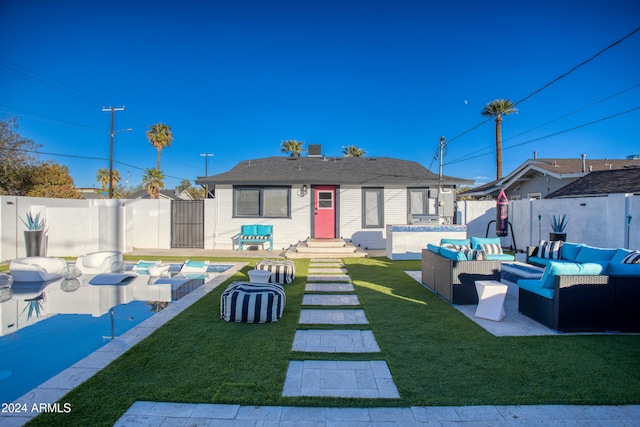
<point x="47" y="327"/>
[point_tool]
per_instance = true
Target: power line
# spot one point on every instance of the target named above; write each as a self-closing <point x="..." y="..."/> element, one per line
<point x="551" y="135"/>
<point x="553" y="81"/>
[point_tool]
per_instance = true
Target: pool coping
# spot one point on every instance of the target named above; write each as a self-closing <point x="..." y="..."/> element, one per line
<point x="34" y="402"/>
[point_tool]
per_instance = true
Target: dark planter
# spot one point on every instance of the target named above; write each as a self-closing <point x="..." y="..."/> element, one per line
<point x="558" y="236"/>
<point x="33" y="242"/>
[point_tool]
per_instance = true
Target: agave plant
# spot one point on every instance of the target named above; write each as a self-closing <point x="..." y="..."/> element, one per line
<point x="34" y="224"/>
<point x="559" y="223"/>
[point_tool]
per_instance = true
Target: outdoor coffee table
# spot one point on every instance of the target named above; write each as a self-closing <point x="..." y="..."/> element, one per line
<point x="511" y="272"/>
<point x="491" y="295"/>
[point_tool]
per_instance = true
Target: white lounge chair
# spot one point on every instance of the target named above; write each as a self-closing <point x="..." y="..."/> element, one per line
<point x="191" y="267"/>
<point x="37" y="269"/>
<point x="142" y="266"/>
<point x="100" y="262"/>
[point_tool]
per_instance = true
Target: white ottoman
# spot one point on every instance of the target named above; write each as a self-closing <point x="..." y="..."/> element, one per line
<point x="491" y="295"/>
<point x="259" y="276"/>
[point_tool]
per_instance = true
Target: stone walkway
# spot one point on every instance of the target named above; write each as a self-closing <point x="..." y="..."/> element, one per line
<point x="335" y="378"/>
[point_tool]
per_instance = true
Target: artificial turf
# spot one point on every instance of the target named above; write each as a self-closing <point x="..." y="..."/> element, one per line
<point x="436" y="355"/>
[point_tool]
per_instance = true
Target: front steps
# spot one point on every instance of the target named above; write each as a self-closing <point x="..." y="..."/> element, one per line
<point x="325" y="248"/>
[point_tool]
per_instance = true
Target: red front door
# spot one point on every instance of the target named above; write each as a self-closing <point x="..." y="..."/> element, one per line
<point x="324" y="205"/>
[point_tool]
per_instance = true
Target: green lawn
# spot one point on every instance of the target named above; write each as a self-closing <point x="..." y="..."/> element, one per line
<point x="436" y="355"/>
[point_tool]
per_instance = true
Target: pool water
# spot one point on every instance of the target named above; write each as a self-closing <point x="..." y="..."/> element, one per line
<point x="47" y="327"/>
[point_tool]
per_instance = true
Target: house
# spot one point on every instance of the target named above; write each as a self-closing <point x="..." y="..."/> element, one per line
<point x="163" y="194"/>
<point x="602" y="183"/>
<point x="537" y="178"/>
<point x="323" y="198"/>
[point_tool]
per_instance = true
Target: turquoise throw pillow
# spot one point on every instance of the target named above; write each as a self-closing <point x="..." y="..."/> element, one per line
<point x="591" y="254"/>
<point x="477" y="242"/>
<point x="569" y="251"/>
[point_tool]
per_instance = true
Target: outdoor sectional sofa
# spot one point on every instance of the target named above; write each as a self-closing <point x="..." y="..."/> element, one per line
<point x="451" y="269"/>
<point x="583" y="289"/>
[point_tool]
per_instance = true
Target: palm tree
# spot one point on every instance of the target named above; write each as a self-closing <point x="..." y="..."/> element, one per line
<point x="152" y="180"/>
<point x="497" y="109"/>
<point x="292" y="147"/>
<point x="353" y="151"/>
<point x="102" y="176"/>
<point x="160" y="136"/>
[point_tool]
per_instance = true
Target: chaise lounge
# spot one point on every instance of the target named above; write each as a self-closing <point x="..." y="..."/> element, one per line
<point x="37" y="269"/>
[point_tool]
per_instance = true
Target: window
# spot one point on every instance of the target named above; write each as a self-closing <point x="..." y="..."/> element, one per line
<point x="372" y="208"/>
<point x="417" y="199"/>
<point x="266" y="202"/>
<point x="325" y="199"/>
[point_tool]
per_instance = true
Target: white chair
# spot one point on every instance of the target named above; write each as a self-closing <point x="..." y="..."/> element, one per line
<point x="143" y="266"/>
<point x="194" y="267"/>
<point x="37" y="269"/>
<point x="100" y="262"/>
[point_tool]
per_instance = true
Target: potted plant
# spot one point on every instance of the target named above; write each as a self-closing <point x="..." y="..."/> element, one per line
<point x="558" y="224"/>
<point x="34" y="233"/>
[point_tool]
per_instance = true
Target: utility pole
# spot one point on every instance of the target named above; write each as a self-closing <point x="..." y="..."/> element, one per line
<point x="206" y="171"/>
<point x="111" y="134"/>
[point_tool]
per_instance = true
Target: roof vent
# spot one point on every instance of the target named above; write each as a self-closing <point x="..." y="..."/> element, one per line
<point x="315" y="150"/>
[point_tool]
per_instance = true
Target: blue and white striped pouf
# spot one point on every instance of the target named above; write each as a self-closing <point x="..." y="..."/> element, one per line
<point x="252" y="303"/>
<point x="282" y="271"/>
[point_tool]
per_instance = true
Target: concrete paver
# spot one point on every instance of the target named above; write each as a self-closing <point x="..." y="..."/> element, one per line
<point x="329" y="287"/>
<point x="335" y="341"/>
<point x="332" y="317"/>
<point x="311" y="299"/>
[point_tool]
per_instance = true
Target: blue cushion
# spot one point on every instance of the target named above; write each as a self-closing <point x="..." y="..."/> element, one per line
<point x="456" y="242"/>
<point x="620" y="254"/>
<point x="476" y="242"/>
<point x="539" y="261"/>
<point x="570" y="251"/>
<point x="264" y="230"/>
<point x="534" y="286"/>
<point x="249" y="230"/>
<point x="591" y="254"/>
<point x="454" y="255"/>
<point x="433" y="248"/>
<point x="620" y="269"/>
<point x="194" y="264"/>
<point x="568" y="269"/>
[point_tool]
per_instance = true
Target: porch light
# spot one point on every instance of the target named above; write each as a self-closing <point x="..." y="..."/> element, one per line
<point x="303" y="191"/>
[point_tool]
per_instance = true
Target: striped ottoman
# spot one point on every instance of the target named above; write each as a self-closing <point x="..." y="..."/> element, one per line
<point x="282" y="271"/>
<point x="252" y="303"/>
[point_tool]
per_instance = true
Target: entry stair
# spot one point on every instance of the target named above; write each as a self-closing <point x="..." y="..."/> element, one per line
<point x="325" y="248"/>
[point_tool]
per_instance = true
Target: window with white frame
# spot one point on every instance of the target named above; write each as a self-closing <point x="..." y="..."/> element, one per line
<point x="261" y="202"/>
<point x="372" y="207"/>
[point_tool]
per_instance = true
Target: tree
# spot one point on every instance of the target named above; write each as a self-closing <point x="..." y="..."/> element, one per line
<point x="102" y="176"/>
<point x="17" y="156"/>
<point x="160" y="136"/>
<point x="497" y="109"/>
<point x="292" y="147"/>
<point x="194" y="192"/>
<point x="52" y="180"/>
<point x="353" y="151"/>
<point x="153" y="181"/>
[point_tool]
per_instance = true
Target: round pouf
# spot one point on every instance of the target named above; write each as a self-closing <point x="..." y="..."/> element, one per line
<point x="282" y="271"/>
<point x="252" y="303"/>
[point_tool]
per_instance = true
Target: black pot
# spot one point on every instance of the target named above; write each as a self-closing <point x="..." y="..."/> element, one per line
<point x="33" y="242"/>
<point x="558" y="236"/>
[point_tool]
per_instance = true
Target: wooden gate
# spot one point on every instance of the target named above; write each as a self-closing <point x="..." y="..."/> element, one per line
<point x="187" y="224"/>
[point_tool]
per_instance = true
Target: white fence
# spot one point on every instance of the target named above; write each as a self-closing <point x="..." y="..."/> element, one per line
<point x="76" y="227"/>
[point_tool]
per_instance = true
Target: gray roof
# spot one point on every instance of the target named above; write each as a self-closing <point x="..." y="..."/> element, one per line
<point x="601" y="183"/>
<point x="330" y="171"/>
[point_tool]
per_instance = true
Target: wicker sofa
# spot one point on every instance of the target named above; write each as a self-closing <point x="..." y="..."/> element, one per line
<point x="454" y="280"/>
<point x="583" y="289"/>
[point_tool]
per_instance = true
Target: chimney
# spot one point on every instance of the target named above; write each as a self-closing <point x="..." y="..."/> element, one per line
<point x="315" y="150"/>
<point x="584" y="163"/>
<point x="535" y="155"/>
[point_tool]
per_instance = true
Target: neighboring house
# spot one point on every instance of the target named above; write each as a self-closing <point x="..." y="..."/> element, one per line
<point x="602" y="183"/>
<point x="164" y="194"/>
<point x="537" y="178"/>
<point x="320" y="197"/>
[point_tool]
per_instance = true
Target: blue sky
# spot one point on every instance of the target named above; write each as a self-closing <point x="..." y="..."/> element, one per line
<point x="235" y="78"/>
